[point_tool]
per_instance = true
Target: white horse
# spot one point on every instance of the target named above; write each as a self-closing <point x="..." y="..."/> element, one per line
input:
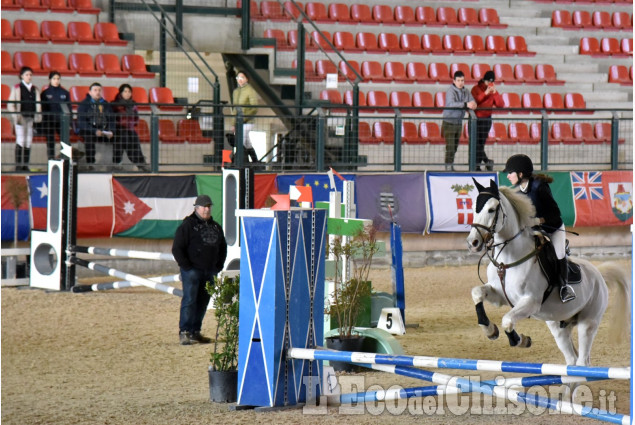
<point x="503" y="226"/>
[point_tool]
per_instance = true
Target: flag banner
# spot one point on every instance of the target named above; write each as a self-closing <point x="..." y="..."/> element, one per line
<point x="452" y="198"/>
<point x="9" y="210"/>
<point x="95" y="216"/>
<point x="264" y="186"/>
<point x="212" y="186"/>
<point x="561" y="191"/>
<point x="404" y="194"/>
<point x="169" y="199"/>
<point x="603" y="198"/>
<point x="319" y="183"/>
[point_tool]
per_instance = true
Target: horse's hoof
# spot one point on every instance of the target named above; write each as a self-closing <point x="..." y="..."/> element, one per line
<point x="525" y="341"/>
<point x="494" y="334"/>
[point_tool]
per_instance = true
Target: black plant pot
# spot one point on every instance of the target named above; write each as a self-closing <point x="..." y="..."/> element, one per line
<point x="354" y="343"/>
<point x="223" y="386"/>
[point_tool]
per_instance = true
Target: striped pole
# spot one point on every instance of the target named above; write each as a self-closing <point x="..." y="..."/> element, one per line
<point x="432" y="390"/>
<point x="133" y="278"/>
<point x="145" y="255"/>
<point x="507" y="393"/>
<point x="465" y="364"/>
<point x="124" y="284"/>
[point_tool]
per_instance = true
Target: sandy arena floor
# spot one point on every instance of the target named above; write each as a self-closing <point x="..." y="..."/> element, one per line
<point x="114" y="358"/>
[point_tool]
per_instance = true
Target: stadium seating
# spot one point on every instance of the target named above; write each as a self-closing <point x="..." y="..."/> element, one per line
<point x="82" y="63"/>
<point x="291" y="9"/>
<point x="396" y="71"/>
<point x="430" y="133"/>
<point x="378" y="100"/>
<point x="474" y="44"/>
<point x="582" y="19"/>
<point x="55" y="32"/>
<point x="323" y="67"/>
<point x="8" y="135"/>
<point x="345" y="41"/>
<point x="143" y="131"/>
<point x="382" y="14"/>
<point x="107" y="33"/>
<point x="58" y="6"/>
<point x="547" y="74"/>
<point x="422" y="99"/>
<point x="372" y="71"/>
<point x="469" y="16"/>
<point x="55" y="61"/>
<point x="167" y="132"/>
<point x="364" y="134"/>
<point x="409" y="133"/>
<point x="438" y="71"/>
<point x="554" y="101"/>
<point x="519" y="133"/>
<point x="333" y="96"/>
<point x="309" y="70"/>
<point x="384" y="132"/>
<point x="575" y="101"/>
<point x="417" y="71"/>
<point x="447" y="16"/>
<point x="405" y="15"/>
<point x="108" y="63"/>
<point x="7" y="63"/>
<point x="140" y="96"/>
<point x="279" y="36"/>
<point x="489" y="17"/>
<point x="525" y="73"/>
<point x="191" y="130"/>
<point x="28" y="31"/>
<point x="562" y="19"/>
<point x="561" y="133"/>
<point x="466" y="71"/>
<point x="589" y="46"/>
<point x="602" y="19"/>
<point x="439" y="99"/>
<point x="505" y="74"/>
<point x="273" y="11"/>
<point x="84" y="6"/>
<point x="401" y="99"/>
<point x="109" y="93"/>
<point x="411" y="43"/>
<point x="622" y="20"/>
<point x="431" y="43"/>
<point x="78" y="93"/>
<point x="389" y="42"/>
<point x="136" y="66"/>
<point x="81" y="32"/>
<point x="496" y="44"/>
<point x="532" y="100"/>
<point x="361" y="13"/>
<point x="350" y="69"/>
<point x="583" y="131"/>
<point x="619" y="74"/>
<point x="498" y="134"/>
<point x="452" y="43"/>
<point x="479" y="70"/>
<point x="517" y="44"/>
<point x="7" y="32"/>
<point x="348" y="98"/>
<point x="29" y="59"/>
<point x="427" y="16"/>
<point x="6" y="92"/>
<point x="164" y="97"/>
<point x="512" y="100"/>
<point x="367" y="41"/>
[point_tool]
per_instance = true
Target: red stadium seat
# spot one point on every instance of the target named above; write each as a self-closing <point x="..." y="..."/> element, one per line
<point x="466" y="71"/>
<point x="582" y="19"/>
<point x="143" y="131"/>
<point x="505" y="74"/>
<point x="361" y="13"/>
<point x="140" y="96"/>
<point x="602" y="19"/>
<point x="28" y="31"/>
<point x="610" y="46"/>
<point x="191" y="130"/>
<point x="489" y="17"/>
<point x="323" y="67"/>
<point x="6" y="92"/>
<point x="333" y="96"/>
<point x="272" y="10"/>
<point x="279" y="36"/>
<point x="292" y="38"/>
<point x="479" y="70"/>
<point x="474" y="43"/>
<point x="78" y="93"/>
<point x="575" y="101"/>
<point x="512" y="100"/>
<point x="417" y="71"/>
<point x="55" y="31"/>
<point x="627" y="46"/>
<point x="426" y="15"/>
<point x="347" y="70"/>
<point x="55" y="61"/>
<point x="519" y="133"/>
<point x="532" y="100"/>
<point x="31" y="5"/>
<point x="517" y="44"/>
<point x="409" y="133"/>
<point x="7" y="63"/>
<point x="401" y="99"/>
<point x="439" y="99"/>
<point x="496" y="44"/>
<point x="453" y="43"/>
<point x="58" y="6"/>
<point x="378" y="99"/>
<point x="405" y="15"/>
<point x="396" y="71"/>
<point x="339" y="12"/>
<point x="291" y="10"/>
<point x="546" y="73"/>
<point x="84" y="6"/>
<point x="7" y="32"/>
<point x="554" y="101"/>
<point x="439" y="71"/>
<point x="319" y="39"/>
<point x="254" y="13"/>
<point x="167" y="132"/>
<point x="469" y="16"/>
<point x="535" y="132"/>
<point x="589" y="46"/>
<point x="108" y="63"/>
<point x="430" y="133"/>
<point x="81" y="32"/>
<point x="603" y="132"/>
<point x="619" y="74"/>
<point x="368" y="42"/>
<point x="622" y="20"/>
<point x="388" y="42"/>
<point x="423" y="99"/>
<point x="348" y="98"/>
<point x="384" y="132"/>
<point x="136" y="66"/>
<point x="365" y="135"/>
<point x="431" y="43"/>
<point x="382" y="14"/>
<point x="525" y="73"/>
<point x="584" y="131"/>
<point x="561" y="19"/>
<point x="317" y="12"/>
<point x="411" y="43"/>
<point x="29" y="59"/>
<point x="82" y="63"/>
<point x="561" y="133"/>
<point x="7" y="130"/>
<point x="498" y="134"/>
<point x="447" y="16"/>
<point x="107" y="33"/>
<point x="372" y="71"/>
<point x="109" y="93"/>
<point x="10" y="5"/>
<point x="163" y="95"/>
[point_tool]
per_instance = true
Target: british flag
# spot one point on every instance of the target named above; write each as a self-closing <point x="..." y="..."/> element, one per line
<point x="587" y="185"/>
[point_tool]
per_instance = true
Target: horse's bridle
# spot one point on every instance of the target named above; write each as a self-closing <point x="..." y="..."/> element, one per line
<point x="491" y="229"/>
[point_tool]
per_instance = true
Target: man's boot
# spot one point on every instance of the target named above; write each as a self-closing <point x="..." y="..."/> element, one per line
<point x="566" y="291"/>
<point x="18" y="157"/>
<point x="27" y="158"/>
<point x="253" y="156"/>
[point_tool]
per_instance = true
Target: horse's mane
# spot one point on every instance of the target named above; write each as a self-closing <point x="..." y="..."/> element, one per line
<point x="521" y="204"/>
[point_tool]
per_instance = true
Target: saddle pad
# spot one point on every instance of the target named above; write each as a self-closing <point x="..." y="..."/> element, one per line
<point x="575" y="274"/>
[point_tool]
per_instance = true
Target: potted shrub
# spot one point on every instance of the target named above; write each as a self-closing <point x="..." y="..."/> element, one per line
<point x="349" y="292"/>
<point x="223" y="370"/>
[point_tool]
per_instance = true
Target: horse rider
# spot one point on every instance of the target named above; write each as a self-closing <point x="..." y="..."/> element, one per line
<point x="519" y="169"/>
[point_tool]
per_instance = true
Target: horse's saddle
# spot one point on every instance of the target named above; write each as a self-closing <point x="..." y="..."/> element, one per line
<point x="549" y="265"/>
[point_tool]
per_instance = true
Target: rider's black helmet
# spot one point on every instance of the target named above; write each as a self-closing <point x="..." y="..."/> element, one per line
<point x="519" y="163"/>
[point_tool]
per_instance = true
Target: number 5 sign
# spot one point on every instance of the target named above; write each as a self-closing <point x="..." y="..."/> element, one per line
<point x="390" y="321"/>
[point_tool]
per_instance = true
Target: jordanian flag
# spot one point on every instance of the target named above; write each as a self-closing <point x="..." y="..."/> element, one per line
<point x="152" y="207"/>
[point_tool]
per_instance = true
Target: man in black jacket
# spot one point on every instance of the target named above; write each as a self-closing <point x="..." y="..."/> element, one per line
<point x="95" y="120"/>
<point x="200" y="250"/>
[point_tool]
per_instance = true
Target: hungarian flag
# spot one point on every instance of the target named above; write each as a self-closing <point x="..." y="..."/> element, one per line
<point x="94" y="204"/>
<point x="9" y="210"/>
<point x="166" y="201"/>
<point x="603" y="198"/>
<point x="320" y="184"/>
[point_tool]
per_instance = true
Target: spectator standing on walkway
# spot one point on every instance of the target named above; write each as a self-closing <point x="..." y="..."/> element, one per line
<point x="52" y="99"/>
<point x="486" y="96"/>
<point x="457" y="96"/>
<point x="27" y="110"/>
<point x="127" y="139"/>
<point x="200" y="250"/>
<point x="95" y="121"/>
<point x="246" y="97"/>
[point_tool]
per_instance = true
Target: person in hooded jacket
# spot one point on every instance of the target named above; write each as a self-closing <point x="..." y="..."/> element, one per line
<point x="95" y="120"/>
<point x="27" y="110"/>
<point x="486" y="96"/>
<point x="457" y="96"/>
<point x="52" y="99"/>
<point x="127" y="139"/>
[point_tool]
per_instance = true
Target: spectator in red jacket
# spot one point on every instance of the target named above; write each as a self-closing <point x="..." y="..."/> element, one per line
<point x="486" y="96"/>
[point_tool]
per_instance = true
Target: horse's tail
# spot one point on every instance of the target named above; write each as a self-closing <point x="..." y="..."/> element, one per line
<point x="617" y="277"/>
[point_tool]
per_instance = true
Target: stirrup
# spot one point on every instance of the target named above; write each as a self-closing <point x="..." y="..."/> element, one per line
<point x="567" y="293"/>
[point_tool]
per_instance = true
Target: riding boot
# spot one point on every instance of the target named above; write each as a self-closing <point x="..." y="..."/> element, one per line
<point x="27" y="157"/>
<point x="566" y="291"/>
<point x="253" y="156"/>
<point x="18" y="157"/>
